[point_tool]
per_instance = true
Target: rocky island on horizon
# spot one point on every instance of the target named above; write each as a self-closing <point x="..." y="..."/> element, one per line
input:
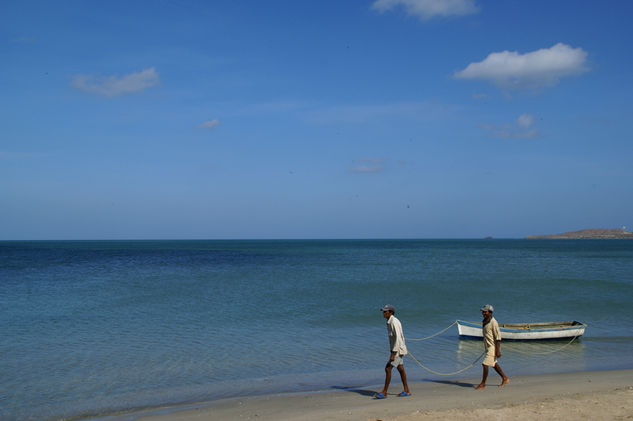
<point x="590" y="233"/>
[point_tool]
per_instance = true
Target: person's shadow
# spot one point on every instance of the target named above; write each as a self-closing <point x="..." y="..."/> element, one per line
<point x="362" y="392"/>
<point x="454" y="383"/>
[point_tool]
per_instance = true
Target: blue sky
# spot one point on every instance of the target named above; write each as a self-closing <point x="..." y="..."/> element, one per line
<point x="306" y="119"/>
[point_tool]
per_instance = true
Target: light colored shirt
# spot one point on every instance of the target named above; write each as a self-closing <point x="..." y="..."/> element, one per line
<point x="491" y="333"/>
<point x="396" y="337"/>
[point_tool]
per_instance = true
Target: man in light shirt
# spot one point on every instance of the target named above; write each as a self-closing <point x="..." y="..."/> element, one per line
<point x="398" y="350"/>
<point x="492" y="345"/>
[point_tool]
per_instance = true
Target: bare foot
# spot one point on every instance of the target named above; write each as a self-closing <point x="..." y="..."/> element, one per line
<point x="481" y="386"/>
<point x="504" y="382"/>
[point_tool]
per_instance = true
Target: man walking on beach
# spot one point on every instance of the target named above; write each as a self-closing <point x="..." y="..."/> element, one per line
<point x="398" y="350"/>
<point x="492" y="345"/>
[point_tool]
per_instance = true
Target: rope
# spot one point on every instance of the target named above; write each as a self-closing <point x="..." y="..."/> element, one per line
<point x="447" y="374"/>
<point x="545" y="353"/>
<point x="479" y="357"/>
<point x="434" y="335"/>
<point x="436" y="372"/>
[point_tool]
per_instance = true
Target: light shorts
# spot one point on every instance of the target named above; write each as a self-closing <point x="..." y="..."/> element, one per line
<point x="490" y="359"/>
<point x="397" y="360"/>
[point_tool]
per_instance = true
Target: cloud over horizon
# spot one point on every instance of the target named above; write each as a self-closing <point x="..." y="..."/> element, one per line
<point x="525" y="120"/>
<point x="522" y="128"/>
<point x="111" y="86"/>
<point x="211" y="124"/>
<point x="23" y="39"/>
<point x="427" y="9"/>
<point x="369" y="165"/>
<point x="536" y="69"/>
<point x="367" y="113"/>
<point x="364" y="169"/>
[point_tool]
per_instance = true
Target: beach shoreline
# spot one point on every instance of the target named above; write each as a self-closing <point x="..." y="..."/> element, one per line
<point x="606" y="393"/>
<point x="101" y="329"/>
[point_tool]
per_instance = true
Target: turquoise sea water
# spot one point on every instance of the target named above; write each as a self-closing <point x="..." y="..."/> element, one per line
<point x="96" y="327"/>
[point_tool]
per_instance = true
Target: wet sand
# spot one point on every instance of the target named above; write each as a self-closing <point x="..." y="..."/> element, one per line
<point x="604" y="395"/>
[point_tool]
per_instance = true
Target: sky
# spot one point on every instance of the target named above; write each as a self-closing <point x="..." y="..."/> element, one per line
<point x="314" y="119"/>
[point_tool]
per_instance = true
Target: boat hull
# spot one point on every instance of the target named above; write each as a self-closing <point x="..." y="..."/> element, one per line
<point x="526" y="331"/>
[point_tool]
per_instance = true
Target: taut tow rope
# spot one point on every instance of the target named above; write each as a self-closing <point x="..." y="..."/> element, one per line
<point x="479" y="357"/>
<point x="436" y="372"/>
<point x="447" y="374"/>
<point x="434" y="335"/>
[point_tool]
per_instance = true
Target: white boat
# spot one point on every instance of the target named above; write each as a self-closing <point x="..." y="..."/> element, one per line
<point x="526" y="331"/>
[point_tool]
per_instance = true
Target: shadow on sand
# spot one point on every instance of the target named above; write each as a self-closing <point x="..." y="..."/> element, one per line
<point x="371" y="393"/>
<point x="453" y="383"/>
<point x="363" y="392"/>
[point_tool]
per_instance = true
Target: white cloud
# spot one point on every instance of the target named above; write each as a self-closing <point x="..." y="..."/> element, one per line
<point x="521" y="129"/>
<point x="427" y="9"/>
<point x="24" y="39"/>
<point x="367" y="169"/>
<point x="370" y="113"/>
<point x="525" y="120"/>
<point x="370" y="165"/>
<point x="211" y="124"/>
<point x="374" y="160"/>
<point x="112" y="86"/>
<point x="535" y="69"/>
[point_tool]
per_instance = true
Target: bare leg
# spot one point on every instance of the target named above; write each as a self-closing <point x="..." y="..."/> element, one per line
<point x="504" y="379"/>
<point x="484" y="376"/>
<point x="388" y="368"/>
<point x="403" y="377"/>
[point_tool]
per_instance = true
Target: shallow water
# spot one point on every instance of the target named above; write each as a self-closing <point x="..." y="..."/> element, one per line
<point x="96" y="327"/>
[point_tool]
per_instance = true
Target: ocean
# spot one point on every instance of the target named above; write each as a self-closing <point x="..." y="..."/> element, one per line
<point x="96" y="328"/>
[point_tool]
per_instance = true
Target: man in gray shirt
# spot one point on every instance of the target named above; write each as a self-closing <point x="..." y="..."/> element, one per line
<point x="398" y="350"/>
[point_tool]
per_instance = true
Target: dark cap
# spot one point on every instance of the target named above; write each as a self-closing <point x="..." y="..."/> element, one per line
<point x="388" y="307"/>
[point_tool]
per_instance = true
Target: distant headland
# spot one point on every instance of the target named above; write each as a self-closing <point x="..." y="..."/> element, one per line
<point x="591" y="233"/>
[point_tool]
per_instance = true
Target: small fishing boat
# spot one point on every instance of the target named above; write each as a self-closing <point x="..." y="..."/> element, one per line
<point x="526" y="331"/>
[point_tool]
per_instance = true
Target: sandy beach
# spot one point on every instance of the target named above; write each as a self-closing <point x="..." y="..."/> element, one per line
<point x="604" y="395"/>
